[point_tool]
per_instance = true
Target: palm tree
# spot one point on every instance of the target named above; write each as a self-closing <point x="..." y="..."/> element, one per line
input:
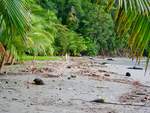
<point x="132" y="17"/>
<point x="14" y="22"/>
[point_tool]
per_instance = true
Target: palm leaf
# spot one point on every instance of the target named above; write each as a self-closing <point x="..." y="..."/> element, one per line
<point x="13" y="17"/>
<point x="132" y="17"/>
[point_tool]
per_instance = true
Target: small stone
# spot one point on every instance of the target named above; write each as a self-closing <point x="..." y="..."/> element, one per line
<point x="124" y="101"/>
<point x="14" y="99"/>
<point x="15" y="82"/>
<point x="5" y="72"/>
<point x="146" y="98"/>
<point x="59" y="99"/>
<point x="60" y="88"/>
<point x="107" y="75"/>
<point x="69" y="78"/>
<point x="103" y="63"/>
<point x="143" y="100"/>
<point x="128" y="74"/>
<point x="110" y="59"/>
<point x="9" y="91"/>
<point x="4" y="97"/>
<point x="73" y="76"/>
<point x="38" y="81"/>
<point x="68" y="67"/>
<point x="28" y="105"/>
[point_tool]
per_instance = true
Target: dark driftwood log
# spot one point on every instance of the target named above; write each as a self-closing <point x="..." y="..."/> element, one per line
<point x="136" y="68"/>
<point x="102" y="101"/>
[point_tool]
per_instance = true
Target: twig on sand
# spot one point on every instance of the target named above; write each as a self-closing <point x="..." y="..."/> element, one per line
<point x="115" y="103"/>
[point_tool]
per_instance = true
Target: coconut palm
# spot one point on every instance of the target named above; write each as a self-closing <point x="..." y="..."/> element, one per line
<point x="14" y="22"/>
<point x="132" y="16"/>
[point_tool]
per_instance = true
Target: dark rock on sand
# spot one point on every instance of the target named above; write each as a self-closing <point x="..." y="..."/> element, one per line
<point x="15" y="82"/>
<point x="69" y="78"/>
<point x="6" y="82"/>
<point x="128" y="74"/>
<point x="73" y="76"/>
<point x="14" y="99"/>
<point x="68" y="67"/>
<point x="38" y="81"/>
<point x="104" y="63"/>
<point x="107" y="75"/>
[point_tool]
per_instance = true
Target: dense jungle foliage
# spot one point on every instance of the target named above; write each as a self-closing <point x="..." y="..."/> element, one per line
<point x="77" y="27"/>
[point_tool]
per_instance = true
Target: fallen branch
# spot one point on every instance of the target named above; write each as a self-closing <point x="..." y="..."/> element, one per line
<point x="114" y="103"/>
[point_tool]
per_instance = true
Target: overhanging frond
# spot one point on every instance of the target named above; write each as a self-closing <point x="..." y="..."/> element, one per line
<point x="132" y="17"/>
<point x="14" y="17"/>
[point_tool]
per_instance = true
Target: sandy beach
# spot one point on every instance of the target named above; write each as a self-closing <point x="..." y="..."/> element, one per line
<point x="71" y="86"/>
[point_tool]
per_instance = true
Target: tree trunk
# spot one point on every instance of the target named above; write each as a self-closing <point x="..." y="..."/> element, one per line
<point x="3" y="61"/>
<point x="66" y="56"/>
<point x="12" y="60"/>
<point x="9" y="58"/>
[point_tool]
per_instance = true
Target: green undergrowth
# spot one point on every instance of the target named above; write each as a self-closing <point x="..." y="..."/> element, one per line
<point x="41" y="58"/>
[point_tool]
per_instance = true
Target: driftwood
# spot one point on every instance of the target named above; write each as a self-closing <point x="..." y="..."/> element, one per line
<point x="136" y="68"/>
<point x="113" y="103"/>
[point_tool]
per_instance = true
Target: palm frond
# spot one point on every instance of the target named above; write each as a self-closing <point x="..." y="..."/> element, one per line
<point x="14" y="17"/>
<point x="132" y="17"/>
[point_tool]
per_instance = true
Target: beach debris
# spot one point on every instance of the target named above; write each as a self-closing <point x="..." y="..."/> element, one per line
<point x="143" y="100"/>
<point x="73" y="76"/>
<point x="60" y="88"/>
<point x="14" y="99"/>
<point x="68" y="67"/>
<point x="34" y="70"/>
<point x="128" y="74"/>
<point x="140" y="93"/>
<point x="110" y="59"/>
<point x="15" y="82"/>
<point x="91" y="58"/>
<point x="52" y="75"/>
<point x="107" y="75"/>
<point x="98" y="100"/>
<point x="38" y="81"/>
<point x="112" y="112"/>
<point x="6" y="82"/>
<point x="136" y="68"/>
<point x="102" y="71"/>
<point x="136" y="83"/>
<point x="69" y="78"/>
<point x="53" y="80"/>
<point x="104" y="63"/>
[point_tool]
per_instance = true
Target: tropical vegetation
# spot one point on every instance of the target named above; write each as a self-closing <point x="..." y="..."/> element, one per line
<point x="76" y="27"/>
